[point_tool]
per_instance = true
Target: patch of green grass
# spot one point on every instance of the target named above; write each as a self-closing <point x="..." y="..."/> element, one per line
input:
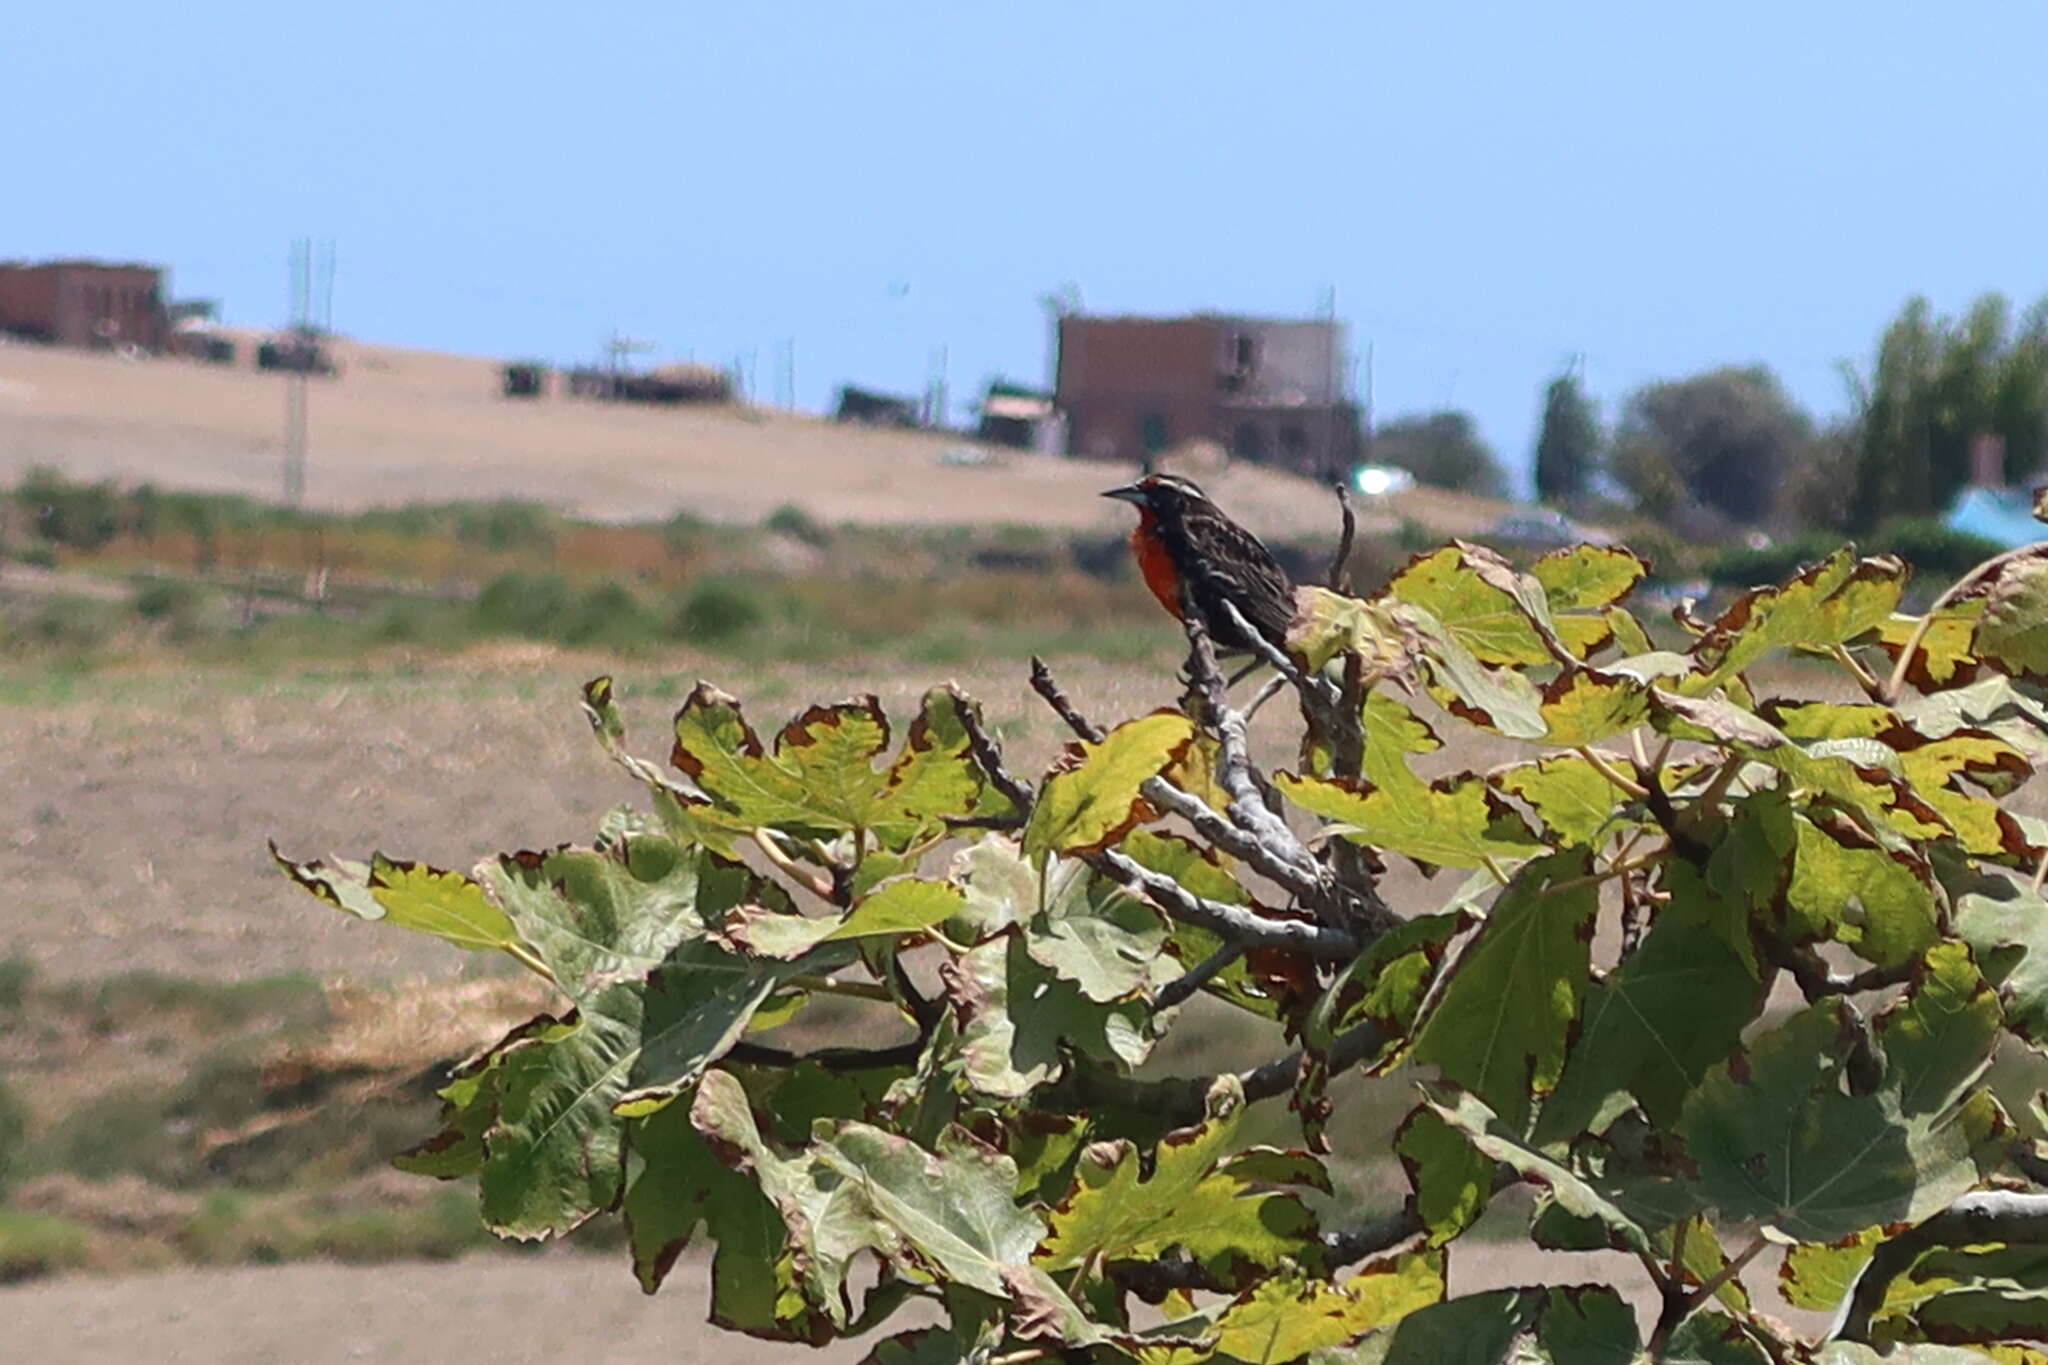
<point x="125" y="1129"/>
<point x="13" y="1136"/>
<point x="17" y="974"/>
<point x="270" y="1229"/>
<point x="294" y="1000"/>
<point x="33" y="1244"/>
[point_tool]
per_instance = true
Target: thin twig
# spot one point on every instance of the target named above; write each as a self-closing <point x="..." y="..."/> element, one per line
<point x="1713" y="1283"/>
<point x="530" y="960"/>
<point x="1042" y="683"/>
<point x="1872" y="688"/>
<point x="1666" y="815"/>
<point x="1276" y="656"/>
<point x="925" y="1011"/>
<point x="1613" y="870"/>
<point x="1303" y="881"/>
<point x="1270" y="689"/>
<point x="1897" y="682"/>
<point x="859" y="990"/>
<point x="1815" y="981"/>
<point x="791" y="868"/>
<point x="1339" y="577"/>
<point x="1613" y="774"/>
<point x="1196" y="977"/>
<point x="987" y="753"/>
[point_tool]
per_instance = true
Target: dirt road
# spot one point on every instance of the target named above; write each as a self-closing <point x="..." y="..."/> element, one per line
<point x="552" y="1307"/>
<point x="556" y="1306"/>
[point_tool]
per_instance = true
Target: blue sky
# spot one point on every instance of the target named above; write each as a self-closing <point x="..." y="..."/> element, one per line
<point x="1490" y="189"/>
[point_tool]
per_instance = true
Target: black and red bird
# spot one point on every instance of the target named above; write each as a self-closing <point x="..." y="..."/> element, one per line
<point x="1185" y="539"/>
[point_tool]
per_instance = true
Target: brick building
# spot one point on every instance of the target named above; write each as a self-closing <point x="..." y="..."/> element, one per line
<point x="85" y="303"/>
<point x="1270" y="391"/>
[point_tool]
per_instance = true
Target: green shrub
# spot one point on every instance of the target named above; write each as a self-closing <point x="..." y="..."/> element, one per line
<point x="69" y="621"/>
<point x="1934" y="551"/>
<point x="17" y="974"/>
<point x="684" y="533"/>
<point x="13" y="1136"/>
<point x="176" y="599"/>
<point x="119" y="1130"/>
<point x="82" y="516"/>
<point x="507" y="524"/>
<point x="607" y="615"/>
<point x="530" y="604"/>
<point x="37" y="1244"/>
<point x="792" y="520"/>
<point x="1933" y="548"/>
<point x="1740" y="566"/>
<point x="718" y="610"/>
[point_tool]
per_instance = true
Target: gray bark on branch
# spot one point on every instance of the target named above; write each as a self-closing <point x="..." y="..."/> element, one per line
<point x="1232" y="923"/>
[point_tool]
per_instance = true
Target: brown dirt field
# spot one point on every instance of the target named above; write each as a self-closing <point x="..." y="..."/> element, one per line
<point x="402" y="426"/>
<point x="135" y="806"/>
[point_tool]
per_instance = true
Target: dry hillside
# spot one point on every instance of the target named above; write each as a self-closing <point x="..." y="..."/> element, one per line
<point x="406" y="426"/>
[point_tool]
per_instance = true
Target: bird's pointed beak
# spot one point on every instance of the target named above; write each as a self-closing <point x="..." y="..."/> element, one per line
<point x="1129" y="492"/>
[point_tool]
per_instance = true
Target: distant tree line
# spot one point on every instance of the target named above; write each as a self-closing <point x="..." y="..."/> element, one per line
<point x="1728" y="450"/>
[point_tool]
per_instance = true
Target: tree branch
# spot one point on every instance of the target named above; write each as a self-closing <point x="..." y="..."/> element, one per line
<point x="987" y="753"/>
<point x="1974" y="1219"/>
<point x="1815" y="981"/>
<point x="1178" y="1101"/>
<point x="1339" y="577"/>
<point x="1042" y="683"/>
<point x="1196" y="977"/>
<point x="1273" y="863"/>
<point x="1232" y="923"/>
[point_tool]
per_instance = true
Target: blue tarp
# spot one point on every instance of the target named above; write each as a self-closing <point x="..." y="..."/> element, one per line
<point x="2004" y="515"/>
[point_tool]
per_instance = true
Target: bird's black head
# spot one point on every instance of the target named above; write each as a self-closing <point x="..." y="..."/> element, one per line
<point x="1161" y="494"/>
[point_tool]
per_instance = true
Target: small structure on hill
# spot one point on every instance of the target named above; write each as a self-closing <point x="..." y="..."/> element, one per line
<point x="299" y="351"/>
<point x="873" y="409"/>
<point x="680" y="383"/>
<point x="195" y="332"/>
<point x="524" y="379"/>
<point x="102" y="304"/>
<point x="1019" y="417"/>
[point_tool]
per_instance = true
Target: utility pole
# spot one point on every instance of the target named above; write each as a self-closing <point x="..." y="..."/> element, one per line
<point x="1333" y="387"/>
<point x="299" y="297"/>
<point x="1368" y="402"/>
<point x="305" y="330"/>
<point x="935" y="392"/>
